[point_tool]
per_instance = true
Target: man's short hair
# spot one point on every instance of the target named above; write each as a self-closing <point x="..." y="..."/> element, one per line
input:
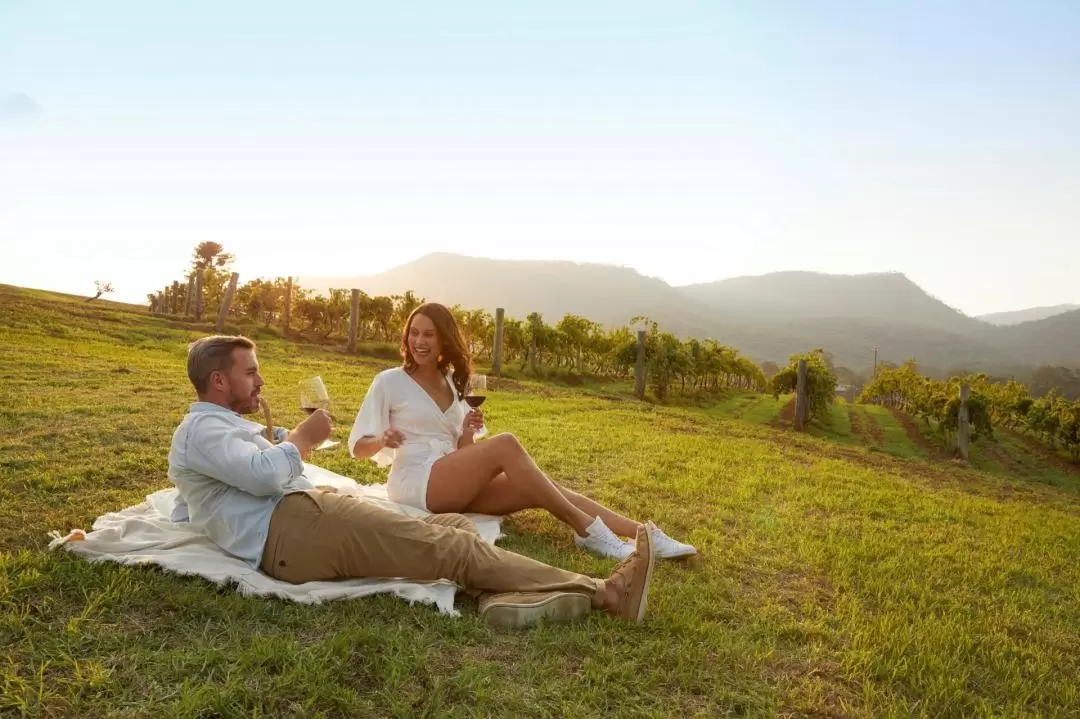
<point x="212" y="354"/>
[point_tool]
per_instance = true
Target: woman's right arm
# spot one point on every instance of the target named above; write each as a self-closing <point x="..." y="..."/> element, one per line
<point x="366" y="447"/>
<point x="371" y="433"/>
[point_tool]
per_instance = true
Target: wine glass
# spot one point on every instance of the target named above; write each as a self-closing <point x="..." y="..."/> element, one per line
<point x="313" y="396"/>
<point x="473" y="398"/>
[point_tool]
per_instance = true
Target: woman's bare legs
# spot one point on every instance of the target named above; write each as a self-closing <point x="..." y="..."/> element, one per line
<point x="459" y="479"/>
<point x="502" y="497"/>
<point x="616" y="522"/>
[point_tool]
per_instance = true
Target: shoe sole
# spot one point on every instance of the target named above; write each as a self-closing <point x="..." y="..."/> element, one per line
<point x="677" y="555"/>
<point x="648" y="578"/>
<point x="558" y="607"/>
<point x="605" y="555"/>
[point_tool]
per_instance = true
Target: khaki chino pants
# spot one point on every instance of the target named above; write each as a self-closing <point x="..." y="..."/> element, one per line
<point x="323" y="536"/>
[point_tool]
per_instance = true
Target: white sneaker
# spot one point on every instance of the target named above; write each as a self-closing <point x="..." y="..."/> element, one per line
<point x="667" y="548"/>
<point x="601" y="540"/>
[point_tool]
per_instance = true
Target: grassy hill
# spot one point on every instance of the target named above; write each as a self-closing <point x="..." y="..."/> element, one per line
<point x="845" y="572"/>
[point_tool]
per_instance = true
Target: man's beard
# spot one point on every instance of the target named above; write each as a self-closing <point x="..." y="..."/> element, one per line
<point x="244" y="404"/>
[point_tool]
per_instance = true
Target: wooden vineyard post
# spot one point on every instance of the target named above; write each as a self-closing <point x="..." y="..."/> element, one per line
<point x="800" y="397"/>
<point x="354" y="320"/>
<point x="963" y="429"/>
<point x="198" y="294"/>
<point x="288" y="307"/>
<point x="190" y="294"/>
<point x="223" y="311"/>
<point x="175" y="297"/>
<point x="496" y="359"/>
<point x="639" y="366"/>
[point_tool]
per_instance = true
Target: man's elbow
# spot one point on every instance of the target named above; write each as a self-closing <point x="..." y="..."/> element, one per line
<point x="265" y="489"/>
<point x="267" y="479"/>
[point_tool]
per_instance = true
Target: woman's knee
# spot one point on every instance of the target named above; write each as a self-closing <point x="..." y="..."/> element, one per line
<point x="507" y="443"/>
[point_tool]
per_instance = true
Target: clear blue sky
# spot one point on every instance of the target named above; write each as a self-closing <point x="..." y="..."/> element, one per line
<point x="689" y="140"/>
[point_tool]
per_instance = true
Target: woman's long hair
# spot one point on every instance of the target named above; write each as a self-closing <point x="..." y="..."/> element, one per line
<point x="454" y="351"/>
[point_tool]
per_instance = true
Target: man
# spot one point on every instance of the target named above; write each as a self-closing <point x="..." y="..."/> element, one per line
<point x="252" y="499"/>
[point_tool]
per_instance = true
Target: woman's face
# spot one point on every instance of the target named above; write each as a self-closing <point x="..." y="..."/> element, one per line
<point x="424" y="345"/>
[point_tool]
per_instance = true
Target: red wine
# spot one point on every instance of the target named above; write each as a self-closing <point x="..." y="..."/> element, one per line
<point x="474" y="401"/>
<point x="309" y="410"/>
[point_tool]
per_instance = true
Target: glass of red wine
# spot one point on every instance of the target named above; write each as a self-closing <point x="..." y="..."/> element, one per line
<point x="477" y="389"/>
<point x="313" y="396"/>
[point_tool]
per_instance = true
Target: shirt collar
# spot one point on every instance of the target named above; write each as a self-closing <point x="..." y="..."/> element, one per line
<point x="238" y="419"/>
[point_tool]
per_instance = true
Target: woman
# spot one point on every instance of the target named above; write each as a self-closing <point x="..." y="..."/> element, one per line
<point x="414" y="419"/>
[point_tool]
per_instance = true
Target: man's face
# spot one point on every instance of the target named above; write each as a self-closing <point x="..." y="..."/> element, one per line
<point x="242" y="384"/>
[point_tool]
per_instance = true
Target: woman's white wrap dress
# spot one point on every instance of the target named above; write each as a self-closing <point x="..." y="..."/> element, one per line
<point x="396" y="400"/>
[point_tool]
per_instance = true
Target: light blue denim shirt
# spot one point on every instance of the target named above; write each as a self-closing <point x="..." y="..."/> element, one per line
<point x="231" y="477"/>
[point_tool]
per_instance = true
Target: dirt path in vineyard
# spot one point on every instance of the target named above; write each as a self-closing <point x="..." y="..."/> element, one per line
<point x="915" y="436"/>
<point x="787" y="416"/>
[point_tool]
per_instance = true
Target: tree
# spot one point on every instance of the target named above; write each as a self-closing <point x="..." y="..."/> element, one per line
<point x="937" y="402"/>
<point x="382" y="315"/>
<point x="262" y="299"/>
<point x="820" y="382"/>
<point x="478" y="329"/>
<point x="102" y="288"/>
<point x="210" y="254"/>
<point x="537" y="335"/>
<point x="576" y="331"/>
<point x="403" y="307"/>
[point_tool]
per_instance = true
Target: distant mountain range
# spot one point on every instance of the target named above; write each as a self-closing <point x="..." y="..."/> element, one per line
<point x="1032" y="314"/>
<point x="768" y="317"/>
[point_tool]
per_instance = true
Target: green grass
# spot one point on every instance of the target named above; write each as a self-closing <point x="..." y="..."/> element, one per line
<point x="895" y="436"/>
<point x="750" y="407"/>
<point x="836" y="426"/>
<point x="834" y="581"/>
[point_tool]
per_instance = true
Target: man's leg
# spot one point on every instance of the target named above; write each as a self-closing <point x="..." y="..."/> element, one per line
<point x="457" y="521"/>
<point x="512" y="610"/>
<point x="320" y="536"/>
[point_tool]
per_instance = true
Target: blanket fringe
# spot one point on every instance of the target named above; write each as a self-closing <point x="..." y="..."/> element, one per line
<point x="59" y="540"/>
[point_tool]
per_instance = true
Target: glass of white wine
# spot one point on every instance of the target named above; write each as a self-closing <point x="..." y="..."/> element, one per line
<point x="313" y="396"/>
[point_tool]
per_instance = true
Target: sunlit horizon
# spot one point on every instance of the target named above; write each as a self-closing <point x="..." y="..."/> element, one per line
<point x="690" y="142"/>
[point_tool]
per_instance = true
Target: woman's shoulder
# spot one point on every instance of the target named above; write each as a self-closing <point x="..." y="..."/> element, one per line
<point x="389" y="376"/>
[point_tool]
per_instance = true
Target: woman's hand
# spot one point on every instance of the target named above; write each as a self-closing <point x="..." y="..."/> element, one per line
<point x="392" y="438"/>
<point x="474" y="420"/>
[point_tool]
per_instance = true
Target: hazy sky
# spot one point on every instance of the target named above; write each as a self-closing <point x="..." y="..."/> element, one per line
<point x="689" y="140"/>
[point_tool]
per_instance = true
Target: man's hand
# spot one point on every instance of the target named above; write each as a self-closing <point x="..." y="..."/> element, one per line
<point x="311" y="432"/>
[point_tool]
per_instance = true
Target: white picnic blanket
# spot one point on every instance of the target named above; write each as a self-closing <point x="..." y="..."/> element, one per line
<point x="144" y="534"/>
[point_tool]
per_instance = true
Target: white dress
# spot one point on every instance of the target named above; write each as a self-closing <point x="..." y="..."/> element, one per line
<point x="396" y="400"/>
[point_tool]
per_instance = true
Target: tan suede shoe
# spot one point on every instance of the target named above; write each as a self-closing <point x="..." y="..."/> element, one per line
<point x="635" y="573"/>
<point x="512" y="610"/>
